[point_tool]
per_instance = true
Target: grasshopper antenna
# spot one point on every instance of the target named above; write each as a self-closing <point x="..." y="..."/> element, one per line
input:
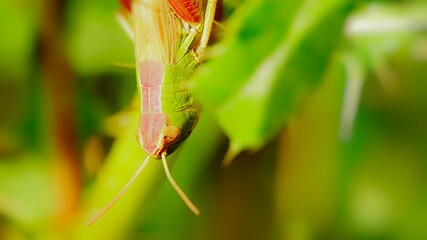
<point x="184" y="197"/>
<point x="119" y="195"/>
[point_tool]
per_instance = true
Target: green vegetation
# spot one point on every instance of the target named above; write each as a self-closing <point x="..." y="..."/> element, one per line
<point x="319" y="109"/>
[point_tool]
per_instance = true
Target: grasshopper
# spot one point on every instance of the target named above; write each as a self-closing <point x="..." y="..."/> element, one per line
<point x="170" y="37"/>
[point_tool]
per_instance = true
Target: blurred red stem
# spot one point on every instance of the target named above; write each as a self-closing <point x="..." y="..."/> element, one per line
<point x="61" y="131"/>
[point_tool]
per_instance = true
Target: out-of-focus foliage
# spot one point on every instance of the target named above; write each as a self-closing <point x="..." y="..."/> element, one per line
<point x="329" y="97"/>
<point x="290" y="50"/>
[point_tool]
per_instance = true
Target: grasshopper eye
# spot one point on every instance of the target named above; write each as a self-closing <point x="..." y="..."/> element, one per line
<point x="169" y="135"/>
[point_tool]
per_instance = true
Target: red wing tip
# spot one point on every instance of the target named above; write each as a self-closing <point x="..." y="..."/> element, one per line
<point x="127" y="4"/>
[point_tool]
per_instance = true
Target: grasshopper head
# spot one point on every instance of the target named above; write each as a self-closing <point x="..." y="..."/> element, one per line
<point x="157" y="134"/>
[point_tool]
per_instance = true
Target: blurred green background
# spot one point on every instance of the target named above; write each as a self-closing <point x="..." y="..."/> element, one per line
<point x="319" y="109"/>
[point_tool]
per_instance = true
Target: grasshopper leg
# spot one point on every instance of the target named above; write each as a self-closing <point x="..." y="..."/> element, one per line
<point x="207" y="27"/>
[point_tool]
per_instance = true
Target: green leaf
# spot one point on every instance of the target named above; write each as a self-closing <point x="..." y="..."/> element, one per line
<point x="95" y="40"/>
<point x="268" y="62"/>
<point x="18" y="24"/>
<point x="25" y="177"/>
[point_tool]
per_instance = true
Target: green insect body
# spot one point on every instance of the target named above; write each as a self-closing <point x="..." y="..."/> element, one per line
<point x="169" y="37"/>
<point x="163" y="67"/>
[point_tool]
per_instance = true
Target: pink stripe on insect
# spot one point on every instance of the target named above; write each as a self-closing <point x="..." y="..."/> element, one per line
<point x="151" y="77"/>
<point x="151" y="125"/>
<point x="152" y="120"/>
